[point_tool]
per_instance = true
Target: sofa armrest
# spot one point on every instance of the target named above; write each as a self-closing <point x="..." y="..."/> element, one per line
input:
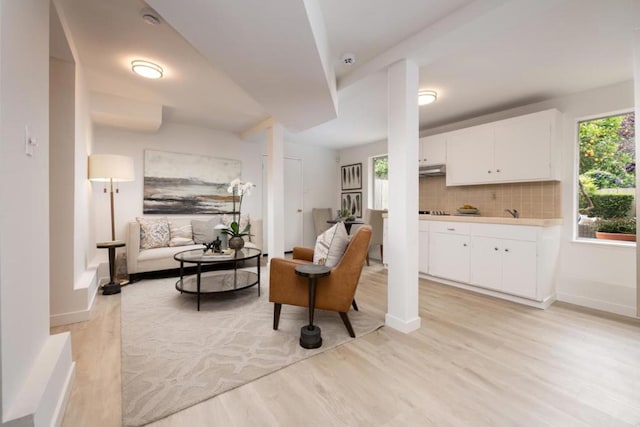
<point x="133" y="246"/>
<point x="256" y="233"/>
<point x="305" y="254"/>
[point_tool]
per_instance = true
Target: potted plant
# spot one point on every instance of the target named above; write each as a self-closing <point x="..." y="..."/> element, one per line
<point x="616" y="229"/>
<point x="238" y="189"/>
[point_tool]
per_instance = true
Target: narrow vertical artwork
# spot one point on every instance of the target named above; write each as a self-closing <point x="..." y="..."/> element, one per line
<point x="352" y="202"/>
<point x="351" y="177"/>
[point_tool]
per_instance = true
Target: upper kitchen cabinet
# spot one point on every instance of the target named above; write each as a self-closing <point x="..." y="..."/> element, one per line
<point x="520" y="149"/>
<point x="470" y="155"/>
<point x="433" y="150"/>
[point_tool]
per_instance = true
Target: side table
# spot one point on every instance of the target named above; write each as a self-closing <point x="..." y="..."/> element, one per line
<point x="112" y="287"/>
<point x="310" y="335"/>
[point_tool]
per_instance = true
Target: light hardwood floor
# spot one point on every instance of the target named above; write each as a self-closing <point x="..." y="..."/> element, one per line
<point x="475" y="361"/>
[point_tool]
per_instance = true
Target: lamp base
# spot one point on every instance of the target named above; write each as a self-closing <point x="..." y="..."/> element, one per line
<point x="111" y="289"/>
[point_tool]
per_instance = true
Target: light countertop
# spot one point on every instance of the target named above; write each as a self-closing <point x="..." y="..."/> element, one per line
<point x="541" y="222"/>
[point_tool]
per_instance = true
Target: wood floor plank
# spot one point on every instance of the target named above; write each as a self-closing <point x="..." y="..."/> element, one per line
<point x="475" y="361"/>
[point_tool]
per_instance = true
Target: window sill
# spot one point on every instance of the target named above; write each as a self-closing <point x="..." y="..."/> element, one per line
<point x="602" y="242"/>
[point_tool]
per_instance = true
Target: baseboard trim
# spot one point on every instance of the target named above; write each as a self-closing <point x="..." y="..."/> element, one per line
<point x="58" y="415"/>
<point x="404" y="326"/>
<point x="623" y="310"/>
<point x="513" y="298"/>
<point x="44" y="394"/>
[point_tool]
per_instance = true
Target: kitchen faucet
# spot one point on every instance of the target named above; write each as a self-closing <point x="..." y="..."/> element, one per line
<point x="514" y="213"/>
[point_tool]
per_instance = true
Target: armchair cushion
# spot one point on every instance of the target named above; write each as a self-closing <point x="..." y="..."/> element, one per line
<point x="330" y="246"/>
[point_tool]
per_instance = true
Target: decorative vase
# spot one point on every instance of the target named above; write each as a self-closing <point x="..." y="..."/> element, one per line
<point x="236" y="243"/>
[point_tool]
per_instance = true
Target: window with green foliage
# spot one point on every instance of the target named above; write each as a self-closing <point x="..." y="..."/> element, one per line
<point x="380" y="188"/>
<point x="607" y="175"/>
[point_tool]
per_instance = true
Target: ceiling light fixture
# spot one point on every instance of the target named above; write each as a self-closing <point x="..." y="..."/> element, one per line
<point x="146" y="69"/>
<point x="427" y="97"/>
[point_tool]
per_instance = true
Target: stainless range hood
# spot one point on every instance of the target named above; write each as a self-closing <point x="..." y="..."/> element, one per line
<point x="432" y="170"/>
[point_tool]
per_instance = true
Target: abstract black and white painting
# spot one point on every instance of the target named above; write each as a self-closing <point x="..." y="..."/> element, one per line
<point x="176" y="183"/>
<point x="353" y="203"/>
<point x="351" y="177"/>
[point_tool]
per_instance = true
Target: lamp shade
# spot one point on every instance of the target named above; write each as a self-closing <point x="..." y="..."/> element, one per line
<point x="105" y="167"/>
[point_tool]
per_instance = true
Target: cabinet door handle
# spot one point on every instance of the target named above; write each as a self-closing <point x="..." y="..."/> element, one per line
<point x="451" y="229"/>
<point x="495" y="249"/>
<point x="464" y="244"/>
<point x="488" y="171"/>
<point x="506" y="250"/>
<point x="497" y="170"/>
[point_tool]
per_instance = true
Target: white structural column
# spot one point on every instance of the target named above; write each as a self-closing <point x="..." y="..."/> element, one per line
<point x="636" y="85"/>
<point x="275" y="192"/>
<point x="402" y="309"/>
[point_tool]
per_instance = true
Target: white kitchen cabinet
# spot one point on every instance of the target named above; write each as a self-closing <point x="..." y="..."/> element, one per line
<point x="523" y="147"/>
<point x="515" y="262"/>
<point x="470" y="155"/>
<point x="504" y="265"/>
<point x="519" y="149"/>
<point x="485" y="266"/>
<point x="433" y="150"/>
<point x="449" y="256"/>
<point x="423" y="247"/>
<point x="519" y="265"/>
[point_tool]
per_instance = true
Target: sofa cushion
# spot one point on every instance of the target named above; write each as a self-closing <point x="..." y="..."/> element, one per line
<point x="164" y="253"/>
<point x="203" y="230"/>
<point x="181" y="235"/>
<point x="330" y="246"/>
<point x="154" y="233"/>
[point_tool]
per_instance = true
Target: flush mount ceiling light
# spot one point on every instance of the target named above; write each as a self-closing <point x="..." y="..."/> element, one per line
<point x="427" y="97"/>
<point x="146" y="69"/>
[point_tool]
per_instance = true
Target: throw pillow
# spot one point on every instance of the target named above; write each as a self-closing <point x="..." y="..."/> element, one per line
<point x="330" y="246"/>
<point x="154" y="233"/>
<point x="203" y="231"/>
<point x="181" y="235"/>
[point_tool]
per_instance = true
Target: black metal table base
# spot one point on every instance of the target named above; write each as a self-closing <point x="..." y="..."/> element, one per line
<point x="310" y="337"/>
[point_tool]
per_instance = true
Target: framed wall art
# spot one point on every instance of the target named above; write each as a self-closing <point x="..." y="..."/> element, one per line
<point x="177" y="183"/>
<point x="351" y="177"/>
<point x="353" y="203"/>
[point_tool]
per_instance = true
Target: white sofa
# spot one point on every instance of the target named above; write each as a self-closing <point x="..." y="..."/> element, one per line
<point x="161" y="259"/>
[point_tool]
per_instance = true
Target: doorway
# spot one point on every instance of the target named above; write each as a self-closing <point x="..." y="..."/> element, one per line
<point x="293" y="203"/>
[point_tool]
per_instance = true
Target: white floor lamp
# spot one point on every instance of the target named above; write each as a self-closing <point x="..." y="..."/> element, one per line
<point x="111" y="168"/>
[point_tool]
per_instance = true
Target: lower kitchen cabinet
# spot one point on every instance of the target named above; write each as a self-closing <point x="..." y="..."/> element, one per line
<point x="449" y="256"/>
<point x="504" y="265"/>
<point x="516" y="262"/>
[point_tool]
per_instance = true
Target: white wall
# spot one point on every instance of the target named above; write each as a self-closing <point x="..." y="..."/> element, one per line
<point x="591" y="274"/>
<point x="74" y="280"/>
<point x="36" y="368"/>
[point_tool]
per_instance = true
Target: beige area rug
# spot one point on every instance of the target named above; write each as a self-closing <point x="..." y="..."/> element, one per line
<point x="174" y="356"/>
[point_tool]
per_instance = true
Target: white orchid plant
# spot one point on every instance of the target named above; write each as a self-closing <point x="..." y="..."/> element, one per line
<point x="239" y="189"/>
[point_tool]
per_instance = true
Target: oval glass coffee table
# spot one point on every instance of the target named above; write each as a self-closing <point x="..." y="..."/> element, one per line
<point x="227" y="278"/>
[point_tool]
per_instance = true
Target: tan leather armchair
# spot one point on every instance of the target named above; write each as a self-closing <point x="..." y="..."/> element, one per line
<point x="335" y="292"/>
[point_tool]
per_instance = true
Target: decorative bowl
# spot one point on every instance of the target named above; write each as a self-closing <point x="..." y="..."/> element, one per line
<point x="468" y="211"/>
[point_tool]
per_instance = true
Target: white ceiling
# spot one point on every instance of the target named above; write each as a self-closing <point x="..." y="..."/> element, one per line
<point x="481" y="56"/>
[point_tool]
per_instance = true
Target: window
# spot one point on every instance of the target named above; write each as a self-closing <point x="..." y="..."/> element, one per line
<point x="607" y="178"/>
<point x="380" y="187"/>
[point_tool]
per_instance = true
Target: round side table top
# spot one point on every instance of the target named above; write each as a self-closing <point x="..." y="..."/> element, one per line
<point x="111" y="244"/>
<point x="312" y="270"/>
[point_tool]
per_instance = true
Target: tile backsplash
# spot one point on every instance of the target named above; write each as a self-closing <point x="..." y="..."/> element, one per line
<point x="531" y="199"/>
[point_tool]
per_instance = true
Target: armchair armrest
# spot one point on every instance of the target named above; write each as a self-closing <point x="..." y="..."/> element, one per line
<point x="305" y="254"/>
